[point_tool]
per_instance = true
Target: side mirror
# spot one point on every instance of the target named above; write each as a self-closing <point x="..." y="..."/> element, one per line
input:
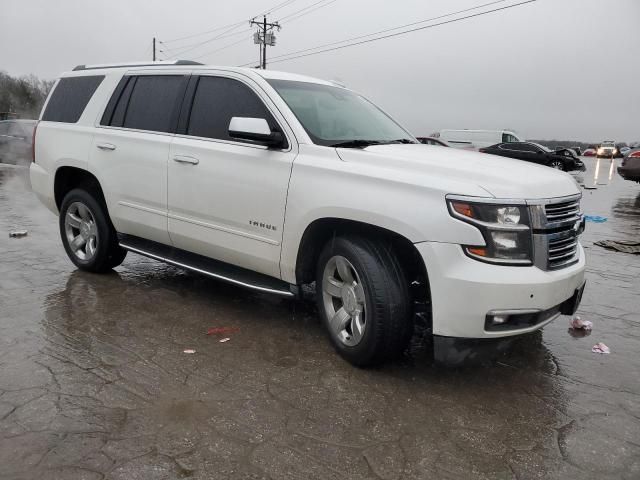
<point x="255" y="130"/>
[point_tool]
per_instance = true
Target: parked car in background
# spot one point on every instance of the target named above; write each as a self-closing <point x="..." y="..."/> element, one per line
<point x="589" y="152"/>
<point x="536" y="153"/>
<point x="630" y="167"/>
<point x="624" y="150"/>
<point x="578" y="150"/>
<point x="16" y="137"/>
<point x="607" y="149"/>
<point x="433" y="141"/>
<point x="566" y="152"/>
<point x="476" y="139"/>
<point x="196" y="166"/>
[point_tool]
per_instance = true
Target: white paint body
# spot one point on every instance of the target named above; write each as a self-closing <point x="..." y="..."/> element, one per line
<point x="209" y="207"/>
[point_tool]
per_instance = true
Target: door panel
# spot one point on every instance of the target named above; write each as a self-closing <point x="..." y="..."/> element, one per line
<point x="129" y="156"/>
<point x="230" y="205"/>
<point x="133" y="177"/>
<point x="226" y="198"/>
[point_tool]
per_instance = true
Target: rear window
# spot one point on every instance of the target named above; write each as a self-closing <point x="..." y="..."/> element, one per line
<point x="70" y="98"/>
<point x="152" y="104"/>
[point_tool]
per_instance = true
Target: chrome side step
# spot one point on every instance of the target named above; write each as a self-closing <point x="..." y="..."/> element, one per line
<point x="206" y="266"/>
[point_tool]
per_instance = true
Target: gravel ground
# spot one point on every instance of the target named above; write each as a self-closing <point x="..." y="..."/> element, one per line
<point x="94" y="382"/>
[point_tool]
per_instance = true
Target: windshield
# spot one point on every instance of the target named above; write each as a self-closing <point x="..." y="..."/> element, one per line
<point x="333" y="115"/>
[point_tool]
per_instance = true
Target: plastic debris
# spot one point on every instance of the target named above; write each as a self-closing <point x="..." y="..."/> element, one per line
<point x="189" y="351"/>
<point x="595" y="218"/>
<point x="600" y="348"/>
<point x="223" y="340"/>
<point x="18" y="234"/>
<point x="578" y="324"/>
<point x="625" y="246"/>
<point x="220" y="330"/>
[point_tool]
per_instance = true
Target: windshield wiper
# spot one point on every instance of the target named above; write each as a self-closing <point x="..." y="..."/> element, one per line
<point x="356" y="144"/>
<point x="368" y="143"/>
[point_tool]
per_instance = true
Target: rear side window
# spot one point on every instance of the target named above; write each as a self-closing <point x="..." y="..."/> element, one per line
<point x="508" y="138"/>
<point x="70" y="98"/>
<point x="219" y="99"/>
<point x="152" y="104"/>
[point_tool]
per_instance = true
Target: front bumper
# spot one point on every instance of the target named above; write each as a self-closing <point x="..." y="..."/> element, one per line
<point x="464" y="291"/>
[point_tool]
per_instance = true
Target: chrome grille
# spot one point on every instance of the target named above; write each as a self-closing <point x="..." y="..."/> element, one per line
<point x="555" y="237"/>
<point x="558" y="212"/>
<point x="562" y="249"/>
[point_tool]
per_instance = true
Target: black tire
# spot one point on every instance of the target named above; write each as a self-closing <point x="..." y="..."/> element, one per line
<point x="108" y="253"/>
<point x="557" y="164"/>
<point x="388" y="320"/>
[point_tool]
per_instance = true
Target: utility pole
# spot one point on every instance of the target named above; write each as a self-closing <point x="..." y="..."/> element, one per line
<point x="154" y="49"/>
<point x="264" y="36"/>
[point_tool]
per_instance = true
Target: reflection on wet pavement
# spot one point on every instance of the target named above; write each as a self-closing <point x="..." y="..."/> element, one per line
<point x="94" y="382"/>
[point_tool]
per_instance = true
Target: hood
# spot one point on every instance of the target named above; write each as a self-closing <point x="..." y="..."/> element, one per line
<point x="464" y="172"/>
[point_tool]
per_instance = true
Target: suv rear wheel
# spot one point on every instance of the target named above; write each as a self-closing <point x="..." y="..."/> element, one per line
<point x="87" y="234"/>
<point x="363" y="299"/>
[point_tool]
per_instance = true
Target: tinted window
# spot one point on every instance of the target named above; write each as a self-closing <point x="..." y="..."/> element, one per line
<point x="70" y="98"/>
<point x="507" y="138"/>
<point x="217" y="100"/>
<point x="117" y="120"/>
<point x="153" y="102"/>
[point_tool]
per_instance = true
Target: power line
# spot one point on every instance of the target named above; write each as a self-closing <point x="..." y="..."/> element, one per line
<point x="386" y="30"/>
<point x="293" y="14"/>
<point x="230" y="25"/>
<point x="222" y="48"/>
<point x="189" y="48"/>
<point x="407" y="31"/>
<point x="291" y="19"/>
<point x="217" y="29"/>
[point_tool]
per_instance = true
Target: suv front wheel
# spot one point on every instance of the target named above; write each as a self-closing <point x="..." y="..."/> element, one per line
<point x="87" y="234"/>
<point x="363" y="299"/>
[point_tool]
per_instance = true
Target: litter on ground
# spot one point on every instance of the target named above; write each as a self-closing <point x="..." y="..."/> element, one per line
<point x="18" y="234"/>
<point x="222" y="340"/>
<point x="189" y="350"/>
<point x="600" y="348"/>
<point x="595" y="218"/>
<point x="220" y="330"/>
<point x="578" y="324"/>
<point x="620" y="246"/>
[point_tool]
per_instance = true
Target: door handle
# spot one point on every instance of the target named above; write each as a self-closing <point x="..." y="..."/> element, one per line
<point x="106" y="146"/>
<point x="186" y="159"/>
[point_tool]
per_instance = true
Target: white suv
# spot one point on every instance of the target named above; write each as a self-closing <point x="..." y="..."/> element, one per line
<point x="271" y="180"/>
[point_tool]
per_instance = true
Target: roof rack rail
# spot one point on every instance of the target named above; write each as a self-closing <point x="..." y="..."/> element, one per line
<point x="137" y="64"/>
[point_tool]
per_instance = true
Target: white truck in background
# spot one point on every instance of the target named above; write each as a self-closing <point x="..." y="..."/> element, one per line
<point x="476" y="139"/>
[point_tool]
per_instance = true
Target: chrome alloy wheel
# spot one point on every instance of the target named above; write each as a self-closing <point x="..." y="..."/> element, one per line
<point x="81" y="231"/>
<point x="344" y="301"/>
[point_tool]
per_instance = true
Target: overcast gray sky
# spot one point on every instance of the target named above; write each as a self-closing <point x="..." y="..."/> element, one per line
<point x="549" y="69"/>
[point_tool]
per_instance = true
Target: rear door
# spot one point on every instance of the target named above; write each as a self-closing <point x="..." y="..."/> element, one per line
<point x="131" y="148"/>
<point x="227" y="197"/>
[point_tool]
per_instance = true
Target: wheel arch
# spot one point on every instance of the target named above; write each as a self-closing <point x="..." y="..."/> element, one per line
<point x="321" y="230"/>
<point x="67" y="178"/>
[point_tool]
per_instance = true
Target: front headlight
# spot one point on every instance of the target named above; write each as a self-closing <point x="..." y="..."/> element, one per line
<point x="505" y="229"/>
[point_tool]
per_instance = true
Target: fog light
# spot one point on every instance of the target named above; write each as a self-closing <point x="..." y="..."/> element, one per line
<point x="499" y="319"/>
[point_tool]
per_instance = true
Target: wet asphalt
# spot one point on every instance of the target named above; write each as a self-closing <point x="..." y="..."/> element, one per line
<point x="94" y="381"/>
